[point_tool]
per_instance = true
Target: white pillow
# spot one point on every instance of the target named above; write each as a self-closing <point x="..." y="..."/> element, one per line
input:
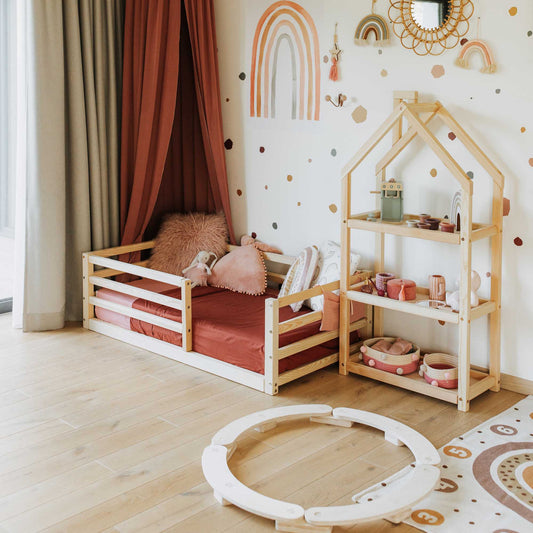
<point x="300" y="275"/>
<point x="329" y="269"/>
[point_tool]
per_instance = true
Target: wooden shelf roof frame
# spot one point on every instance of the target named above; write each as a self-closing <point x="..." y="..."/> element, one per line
<point x="418" y="117"/>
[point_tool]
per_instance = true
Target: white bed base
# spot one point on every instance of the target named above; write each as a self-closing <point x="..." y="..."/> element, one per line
<point x="392" y="502"/>
<point x="270" y="381"/>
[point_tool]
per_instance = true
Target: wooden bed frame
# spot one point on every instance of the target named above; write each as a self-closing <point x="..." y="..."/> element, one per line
<point x="270" y="381"/>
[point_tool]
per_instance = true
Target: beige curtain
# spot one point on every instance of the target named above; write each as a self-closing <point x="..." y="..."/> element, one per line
<point x="72" y="186"/>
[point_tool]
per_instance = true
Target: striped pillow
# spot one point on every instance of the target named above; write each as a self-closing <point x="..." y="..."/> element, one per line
<point x="300" y="275"/>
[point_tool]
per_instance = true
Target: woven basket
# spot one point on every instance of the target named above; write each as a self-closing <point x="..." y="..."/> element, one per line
<point x="395" y="364"/>
<point x="446" y="378"/>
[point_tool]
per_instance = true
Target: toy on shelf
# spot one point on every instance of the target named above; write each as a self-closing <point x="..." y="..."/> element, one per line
<point x="391" y="354"/>
<point x="440" y="370"/>
<point x="200" y="268"/>
<point x="392" y="201"/>
<point x="452" y="298"/>
<point x="437" y="288"/>
<point x="401" y="289"/>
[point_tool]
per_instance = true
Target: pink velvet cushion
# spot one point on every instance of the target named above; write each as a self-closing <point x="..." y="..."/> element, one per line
<point x="242" y="270"/>
<point x="182" y="236"/>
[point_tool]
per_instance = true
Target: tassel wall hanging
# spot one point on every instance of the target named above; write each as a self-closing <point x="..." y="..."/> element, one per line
<point x="477" y="45"/>
<point x="372" y="24"/>
<point x="335" y="55"/>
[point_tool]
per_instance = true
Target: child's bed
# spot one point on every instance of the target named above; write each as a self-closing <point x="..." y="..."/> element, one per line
<point x="254" y="340"/>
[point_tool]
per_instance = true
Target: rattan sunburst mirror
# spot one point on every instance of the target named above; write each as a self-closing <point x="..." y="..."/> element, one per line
<point x="430" y="26"/>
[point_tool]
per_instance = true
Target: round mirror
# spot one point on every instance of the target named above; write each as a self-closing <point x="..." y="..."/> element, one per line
<point x="430" y="14"/>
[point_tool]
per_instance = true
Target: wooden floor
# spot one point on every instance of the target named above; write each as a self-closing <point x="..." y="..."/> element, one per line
<point x="96" y="435"/>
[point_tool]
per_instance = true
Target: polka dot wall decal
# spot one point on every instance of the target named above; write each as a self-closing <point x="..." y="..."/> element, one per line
<point x="333" y="208"/>
<point x="529" y="33"/>
<point x="383" y="73"/>
<point x="289" y="177"/>
<point x="309" y="160"/>
<point x="498" y="91"/>
<point x="513" y="11"/>
<point x="228" y="144"/>
<point x="299" y="204"/>
<point x="325" y="59"/>
<point x="239" y="192"/>
<point x="433" y="172"/>
<point x="261" y="149"/>
<point x="227" y="99"/>
<point x="470" y="174"/>
<point x="518" y="241"/>
<point x="380" y="51"/>
<point x="437" y="71"/>
<point x="275" y="225"/>
<point x="333" y="152"/>
<point x="451" y="136"/>
<point x="242" y="76"/>
<point x="464" y="40"/>
<point x="523" y="129"/>
<point x="359" y="115"/>
<point x="487" y="274"/>
<point x="266" y="187"/>
<point x="531" y="161"/>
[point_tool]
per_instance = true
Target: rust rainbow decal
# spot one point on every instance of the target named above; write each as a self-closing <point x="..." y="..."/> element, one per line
<point x="477" y="45"/>
<point x="372" y="24"/>
<point x="285" y="21"/>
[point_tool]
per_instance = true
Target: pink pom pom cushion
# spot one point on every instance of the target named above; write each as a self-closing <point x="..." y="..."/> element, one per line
<point x="182" y="236"/>
<point x="242" y="270"/>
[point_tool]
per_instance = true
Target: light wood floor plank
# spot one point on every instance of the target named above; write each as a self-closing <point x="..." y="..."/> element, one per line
<point x="96" y="435"/>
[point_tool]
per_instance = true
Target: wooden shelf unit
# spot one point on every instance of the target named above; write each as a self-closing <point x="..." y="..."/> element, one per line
<point x="471" y="383"/>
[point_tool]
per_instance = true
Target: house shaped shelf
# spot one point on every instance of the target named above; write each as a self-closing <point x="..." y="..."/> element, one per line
<point x="418" y="117"/>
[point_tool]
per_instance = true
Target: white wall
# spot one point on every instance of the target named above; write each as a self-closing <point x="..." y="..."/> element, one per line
<point x="494" y="120"/>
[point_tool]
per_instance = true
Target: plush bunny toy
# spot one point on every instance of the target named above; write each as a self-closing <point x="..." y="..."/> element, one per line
<point x="452" y="298"/>
<point x="200" y="268"/>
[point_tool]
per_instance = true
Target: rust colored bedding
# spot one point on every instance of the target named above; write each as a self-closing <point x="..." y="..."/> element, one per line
<point x="230" y="327"/>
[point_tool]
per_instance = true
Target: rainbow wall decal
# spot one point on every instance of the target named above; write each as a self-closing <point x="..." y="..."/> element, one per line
<point x="285" y="21"/>
<point x="372" y="24"/>
<point x="483" y="48"/>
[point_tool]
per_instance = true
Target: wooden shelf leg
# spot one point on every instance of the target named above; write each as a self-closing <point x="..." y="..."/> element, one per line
<point x="463" y="404"/>
<point x="496" y="287"/>
<point x="344" y="319"/>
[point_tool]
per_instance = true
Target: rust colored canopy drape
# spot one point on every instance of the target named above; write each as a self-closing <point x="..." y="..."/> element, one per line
<point x="172" y="139"/>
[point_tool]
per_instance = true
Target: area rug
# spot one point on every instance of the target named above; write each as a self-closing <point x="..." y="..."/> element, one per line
<point x="486" y="479"/>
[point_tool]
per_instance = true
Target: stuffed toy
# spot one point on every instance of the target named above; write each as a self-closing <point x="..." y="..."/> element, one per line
<point x="200" y="268"/>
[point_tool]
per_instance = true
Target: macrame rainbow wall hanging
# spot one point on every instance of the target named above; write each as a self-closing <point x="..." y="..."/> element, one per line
<point x="372" y="24"/>
<point x="477" y="45"/>
<point x="290" y="22"/>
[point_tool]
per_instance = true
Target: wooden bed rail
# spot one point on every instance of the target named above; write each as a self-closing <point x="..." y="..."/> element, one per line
<point x="112" y="267"/>
<point x="274" y="328"/>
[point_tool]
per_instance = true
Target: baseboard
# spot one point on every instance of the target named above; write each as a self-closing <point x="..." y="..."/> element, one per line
<point x="6" y="305"/>
<point x="512" y="383"/>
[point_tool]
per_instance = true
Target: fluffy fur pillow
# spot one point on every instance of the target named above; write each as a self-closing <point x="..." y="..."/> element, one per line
<point x="182" y="236"/>
<point x="242" y="270"/>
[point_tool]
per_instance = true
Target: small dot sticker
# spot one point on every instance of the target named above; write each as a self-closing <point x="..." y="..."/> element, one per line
<point x="380" y="51"/>
<point x="227" y="99"/>
<point x="228" y="144"/>
<point x="333" y="152"/>
<point x="325" y="59"/>
<point x="433" y="172"/>
<point x="523" y="129"/>
<point x="518" y="241"/>
<point x="309" y="160"/>
<point x="333" y="208"/>
<point x="242" y="76"/>
<point x="261" y="149"/>
<point x="239" y="192"/>
<point x="470" y="174"/>
<point x="513" y="11"/>
<point x="383" y="73"/>
<point x="529" y="33"/>
<point x="452" y="136"/>
<point x="275" y="225"/>
<point x="266" y="187"/>
<point x="289" y="177"/>
<point x="299" y="204"/>
<point x="437" y="71"/>
<point x="498" y="91"/>
<point x="531" y="161"/>
<point x="464" y="40"/>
